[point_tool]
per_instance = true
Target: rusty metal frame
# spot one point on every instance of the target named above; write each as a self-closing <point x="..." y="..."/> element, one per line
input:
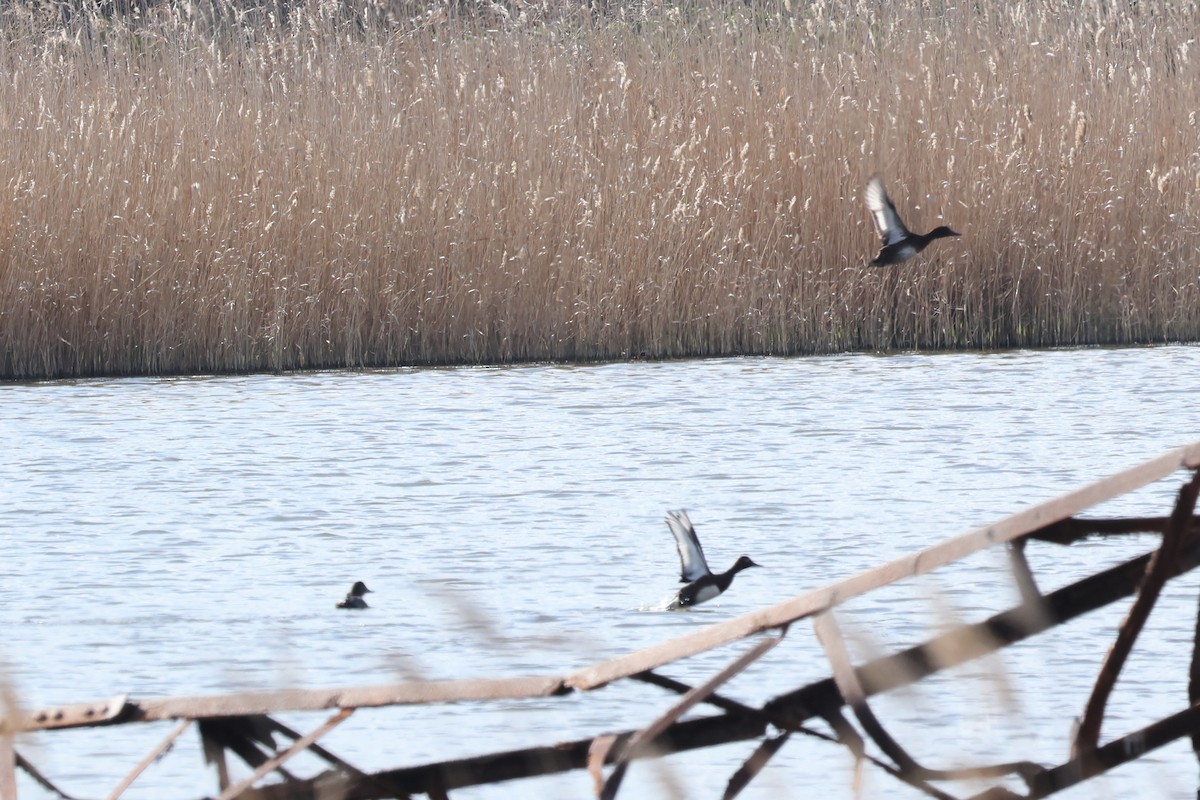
<point x="239" y="723"/>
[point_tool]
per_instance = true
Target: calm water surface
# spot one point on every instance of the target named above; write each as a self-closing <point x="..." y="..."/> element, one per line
<point x="191" y="536"/>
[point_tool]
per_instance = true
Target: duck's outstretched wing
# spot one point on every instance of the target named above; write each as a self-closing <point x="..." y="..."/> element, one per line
<point x="883" y="213"/>
<point x="692" y="564"/>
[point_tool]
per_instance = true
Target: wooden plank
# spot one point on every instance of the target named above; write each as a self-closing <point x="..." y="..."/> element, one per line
<point x="236" y="705"/>
<point x="104" y="712"/>
<point x="643" y="739"/>
<point x="968" y="642"/>
<point x="693" y="697"/>
<point x="8" y="768"/>
<point x="848" y="685"/>
<point x="1117" y="752"/>
<point x="446" y="776"/>
<point x="1160" y="569"/>
<point x="241" y="704"/>
<point x="845" y="678"/>
<point x="1027" y="586"/>
<point x="1069" y="531"/>
<point x="753" y="765"/>
<point x="33" y="772"/>
<point x="790" y="709"/>
<point x="1007" y="529"/>
<point x="150" y="758"/>
<point x="299" y="746"/>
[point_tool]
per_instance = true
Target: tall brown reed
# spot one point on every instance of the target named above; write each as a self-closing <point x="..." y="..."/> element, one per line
<point x="201" y="188"/>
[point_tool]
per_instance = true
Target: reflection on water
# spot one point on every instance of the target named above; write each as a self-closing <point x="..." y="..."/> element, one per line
<point x="188" y="536"/>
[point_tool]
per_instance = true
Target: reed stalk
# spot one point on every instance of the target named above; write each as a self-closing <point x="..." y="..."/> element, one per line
<point x="219" y="186"/>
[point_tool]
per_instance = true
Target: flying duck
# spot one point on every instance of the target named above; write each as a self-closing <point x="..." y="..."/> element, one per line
<point x="355" y="598"/>
<point x="702" y="584"/>
<point x="899" y="243"/>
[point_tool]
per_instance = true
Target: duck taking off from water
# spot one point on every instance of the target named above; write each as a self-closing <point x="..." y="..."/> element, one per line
<point x="899" y="243"/>
<point x="702" y="584"/>
<point x="355" y="598"/>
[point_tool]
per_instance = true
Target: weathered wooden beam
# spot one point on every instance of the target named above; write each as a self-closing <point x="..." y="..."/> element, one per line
<point x="529" y="762"/>
<point x="967" y="642"/>
<point x="1117" y="752"/>
<point x="753" y="765"/>
<point x="76" y="715"/>
<point x="250" y="738"/>
<point x="769" y="747"/>
<point x="1031" y="595"/>
<point x="846" y="679"/>
<point x="8" y="768"/>
<point x="1069" y="531"/>
<point x="236" y="705"/>
<point x="789" y="710"/>
<point x="277" y="760"/>
<point x="150" y="758"/>
<point x="341" y="764"/>
<point x="644" y="739"/>
<point x="1193" y="688"/>
<point x="244" y="704"/>
<point x="1161" y="567"/>
<point x="38" y="777"/>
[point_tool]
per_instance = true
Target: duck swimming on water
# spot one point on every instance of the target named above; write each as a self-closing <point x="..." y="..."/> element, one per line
<point x="702" y="584"/>
<point x="355" y="598"/>
<point x="899" y="243"/>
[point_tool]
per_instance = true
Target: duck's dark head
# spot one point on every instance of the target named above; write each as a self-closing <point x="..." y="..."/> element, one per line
<point x="744" y="563"/>
<point x="359" y="589"/>
<point x="942" y="232"/>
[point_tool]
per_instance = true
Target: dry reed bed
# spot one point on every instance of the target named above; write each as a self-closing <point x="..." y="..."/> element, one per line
<point x="184" y="195"/>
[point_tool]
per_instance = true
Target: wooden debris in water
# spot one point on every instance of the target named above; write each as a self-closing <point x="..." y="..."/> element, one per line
<point x="241" y="723"/>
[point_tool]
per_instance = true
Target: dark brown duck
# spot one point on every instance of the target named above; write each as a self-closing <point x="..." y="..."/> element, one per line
<point x="899" y="243"/>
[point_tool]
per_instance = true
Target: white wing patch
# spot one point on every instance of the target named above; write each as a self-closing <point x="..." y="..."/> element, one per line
<point x="692" y="564"/>
<point x="883" y="213"/>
